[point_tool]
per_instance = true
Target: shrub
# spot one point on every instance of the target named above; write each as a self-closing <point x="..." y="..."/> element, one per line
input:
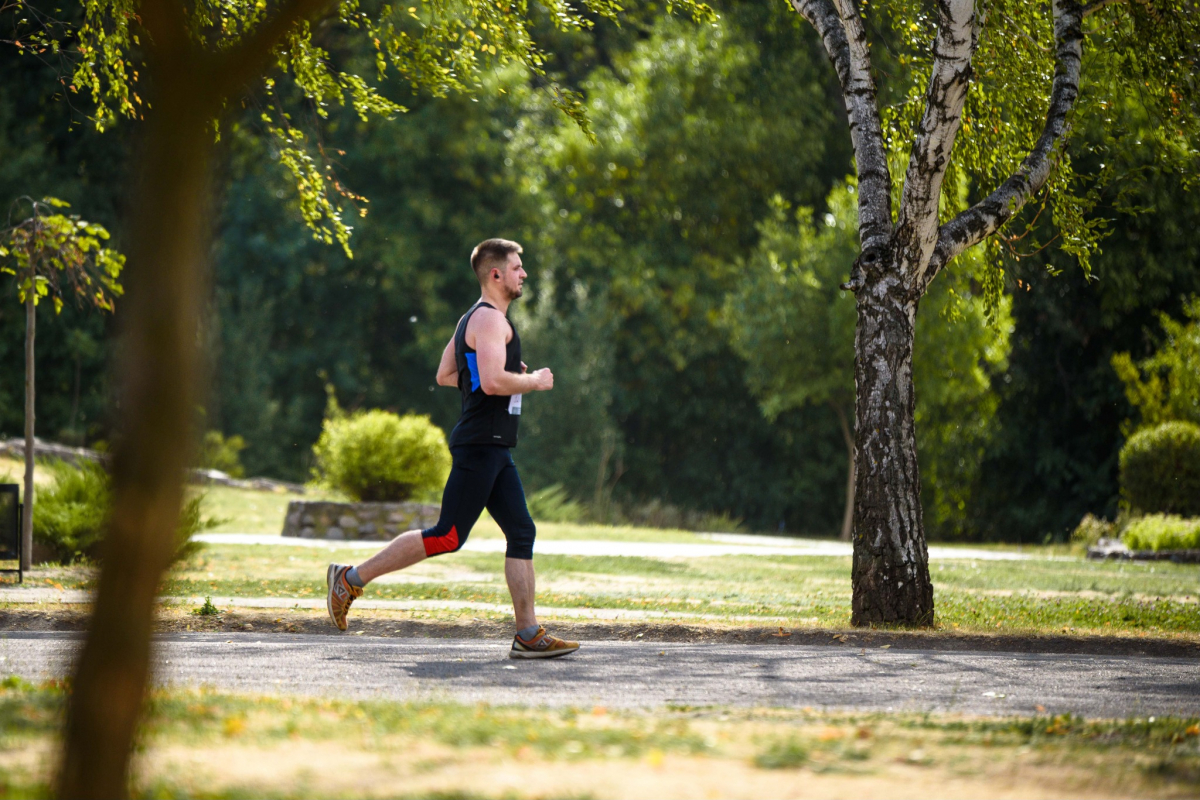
<point x="1163" y="532"/>
<point x="1091" y="530"/>
<point x="379" y="456"/>
<point x="553" y="504"/>
<point x="1160" y="469"/>
<point x="71" y="516"/>
<point x="217" y="452"/>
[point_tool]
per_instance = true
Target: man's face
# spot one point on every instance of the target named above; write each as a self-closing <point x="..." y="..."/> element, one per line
<point x="512" y="277"/>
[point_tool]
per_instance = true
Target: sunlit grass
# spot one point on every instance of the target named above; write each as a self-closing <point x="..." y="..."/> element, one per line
<point x="1035" y="595"/>
<point x="994" y="596"/>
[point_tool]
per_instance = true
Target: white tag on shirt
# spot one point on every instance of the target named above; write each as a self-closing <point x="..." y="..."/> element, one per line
<point x="514" y="404"/>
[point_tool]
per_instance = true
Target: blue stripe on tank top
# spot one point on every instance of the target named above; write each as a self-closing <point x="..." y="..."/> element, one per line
<point x="474" y="368"/>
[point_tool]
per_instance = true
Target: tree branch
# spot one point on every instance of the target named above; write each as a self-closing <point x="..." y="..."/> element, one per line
<point x="988" y="215"/>
<point x="841" y="30"/>
<point x="957" y="38"/>
<point x="245" y="61"/>
<point x="166" y="24"/>
<point x="1092" y="8"/>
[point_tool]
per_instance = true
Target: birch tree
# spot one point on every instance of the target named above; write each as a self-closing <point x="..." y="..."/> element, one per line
<point x="989" y="92"/>
<point x="175" y="68"/>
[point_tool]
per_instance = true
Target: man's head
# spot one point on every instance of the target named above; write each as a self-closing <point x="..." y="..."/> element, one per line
<point x="497" y="264"/>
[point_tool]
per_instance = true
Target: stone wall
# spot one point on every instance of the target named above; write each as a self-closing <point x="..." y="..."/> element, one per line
<point x="371" y="521"/>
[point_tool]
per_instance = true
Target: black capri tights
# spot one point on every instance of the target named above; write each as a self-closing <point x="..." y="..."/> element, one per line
<point x="483" y="475"/>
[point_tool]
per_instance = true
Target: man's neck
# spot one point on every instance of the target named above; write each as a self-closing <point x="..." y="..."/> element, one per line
<point x="497" y="300"/>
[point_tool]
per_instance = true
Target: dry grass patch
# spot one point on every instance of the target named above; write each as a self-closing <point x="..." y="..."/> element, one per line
<point x="205" y="744"/>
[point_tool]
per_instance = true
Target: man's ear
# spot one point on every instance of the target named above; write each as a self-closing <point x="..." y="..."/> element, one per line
<point x="495" y="274"/>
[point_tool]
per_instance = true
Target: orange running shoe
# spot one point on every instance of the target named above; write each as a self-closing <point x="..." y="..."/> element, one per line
<point x="341" y="594"/>
<point x="541" y="645"/>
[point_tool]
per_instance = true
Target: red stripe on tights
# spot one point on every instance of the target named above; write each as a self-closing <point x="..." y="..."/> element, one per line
<point x="442" y="544"/>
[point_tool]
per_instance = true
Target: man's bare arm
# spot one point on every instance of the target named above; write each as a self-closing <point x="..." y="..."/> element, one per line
<point x="447" y="374"/>
<point x="490" y="329"/>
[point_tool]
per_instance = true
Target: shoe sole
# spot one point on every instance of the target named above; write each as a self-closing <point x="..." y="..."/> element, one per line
<point x="540" y="654"/>
<point x="329" y="576"/>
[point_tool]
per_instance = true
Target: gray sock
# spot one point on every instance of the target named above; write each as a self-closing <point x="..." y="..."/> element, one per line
<point x="353" y="579"/>
<point x="528" y="633"/>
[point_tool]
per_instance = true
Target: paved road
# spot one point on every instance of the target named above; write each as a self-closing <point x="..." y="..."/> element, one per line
<point x="723" y="544"/>
<point x="650" y="674"/>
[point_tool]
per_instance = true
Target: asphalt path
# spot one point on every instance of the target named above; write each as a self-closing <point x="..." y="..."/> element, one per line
<point x="653" y="674"/>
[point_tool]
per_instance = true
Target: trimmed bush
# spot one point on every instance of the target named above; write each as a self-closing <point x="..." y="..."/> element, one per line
<point x="1160" y="470"/>
<point x="71" y="516"/>
<point x="1163" y="532"/>
<point x="378" y="456"/>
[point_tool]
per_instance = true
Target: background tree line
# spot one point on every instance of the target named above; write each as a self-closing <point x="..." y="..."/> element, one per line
<point x="714" y="198"/>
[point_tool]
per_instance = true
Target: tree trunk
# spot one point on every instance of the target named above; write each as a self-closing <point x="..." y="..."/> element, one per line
<point x="158" y="378"/>
<point x="891" y="568"/>
<point x="848" y="438"/>
<point x="27" y="516"/>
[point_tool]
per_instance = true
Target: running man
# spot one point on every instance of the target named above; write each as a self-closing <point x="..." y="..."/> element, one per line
<point x="484" y="361"/>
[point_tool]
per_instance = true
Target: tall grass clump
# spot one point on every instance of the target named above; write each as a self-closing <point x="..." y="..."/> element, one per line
<point x="71" y="515"/>
<point x="553" y="504"/>
<point x="1162" y="532"/>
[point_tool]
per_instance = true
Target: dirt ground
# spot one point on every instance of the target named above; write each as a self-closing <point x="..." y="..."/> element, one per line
<point x="400" y="624"/>
<point x="408" y="768"/>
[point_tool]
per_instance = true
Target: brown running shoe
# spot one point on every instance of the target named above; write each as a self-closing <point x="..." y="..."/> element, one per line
<point x="341" y="594"/>
<point x="541" y="645"/>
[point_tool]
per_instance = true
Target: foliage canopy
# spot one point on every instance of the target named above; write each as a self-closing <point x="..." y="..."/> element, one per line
<point x="440" y="46"/>
<point x="1170" y="388"/>
<point x="50" y="253"/>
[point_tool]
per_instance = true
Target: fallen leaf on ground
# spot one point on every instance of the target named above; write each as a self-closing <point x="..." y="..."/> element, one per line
<point x="782" y="633"/>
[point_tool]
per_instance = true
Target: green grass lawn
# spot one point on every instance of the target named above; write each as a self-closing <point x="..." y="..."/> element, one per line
<point x="249" y="511"/>
<point x="200" y="743"/>
<point x="246" y="511"/>
<point x="1037" y="595"/>
<point x="995" y="596"/>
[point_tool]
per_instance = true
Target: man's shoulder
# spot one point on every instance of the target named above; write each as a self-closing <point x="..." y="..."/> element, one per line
<point x="488" y="321"/>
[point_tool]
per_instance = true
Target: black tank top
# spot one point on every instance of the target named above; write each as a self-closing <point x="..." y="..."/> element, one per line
<point x="486" y="418"/>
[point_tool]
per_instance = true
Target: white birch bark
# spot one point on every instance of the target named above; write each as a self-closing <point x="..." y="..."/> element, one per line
<point x="988" y="215"/>
<point x="954" y="47"/>
<point x="841" y="30"/>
